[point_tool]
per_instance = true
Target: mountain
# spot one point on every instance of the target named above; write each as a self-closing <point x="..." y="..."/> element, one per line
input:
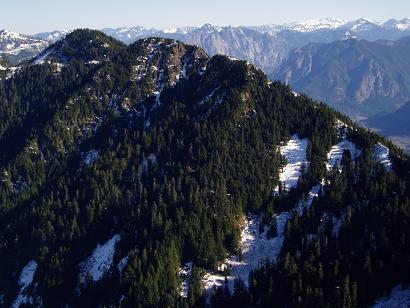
<point x="265" y="45"/>
<point x="358" y="77"/>
<point x="154" y="175"/>
<point x="52" y="36"/>
<point x="272" y="43"/>
<point x="361" y="28"/>
<point x="239" y="42"/>
<point x="129" y="35"/>
<point x="18" y="47"/>
<point x="243" y="43"/>
<point x="394" y="125"/>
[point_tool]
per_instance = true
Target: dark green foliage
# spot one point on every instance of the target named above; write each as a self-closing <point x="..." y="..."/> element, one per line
<point x="175" y="179"/>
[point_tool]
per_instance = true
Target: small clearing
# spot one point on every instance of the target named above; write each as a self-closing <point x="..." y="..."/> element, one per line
<point x="90" y="157"/>
<point x="295" y="153"/>
<point x="100" y="261"/>
<point x="382" y="155"/>
<point x="302" y="204"/>
<point x="185" y="273"/>
<point x="25" y="280"/>
<point x="256" y="247"/>
<point x="334" y="157"/>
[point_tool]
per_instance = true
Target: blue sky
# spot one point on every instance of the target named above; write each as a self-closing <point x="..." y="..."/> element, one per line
<point x="31" y="16"/>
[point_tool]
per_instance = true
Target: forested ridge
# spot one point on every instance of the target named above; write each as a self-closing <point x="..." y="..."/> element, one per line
<point x="169" y="149"/>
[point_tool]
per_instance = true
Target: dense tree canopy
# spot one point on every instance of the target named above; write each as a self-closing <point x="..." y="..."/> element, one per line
<point x="182" y="147"/>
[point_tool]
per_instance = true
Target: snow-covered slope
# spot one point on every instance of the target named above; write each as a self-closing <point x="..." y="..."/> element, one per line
<point x="306" y="204"/>
<point x="129" y="34"/>
<point x="403" y="25"/>
<point x="334" y="24"/>
<point x="255" y="247"/>
<point x="18" y="46"/>
<point x="122" y="264"/>
<point x="100" y="261"/>
<point x="382" y="155"/>
<point x="399" y="298"/>
<point x="52" y="36"/>
<point x="185" y="273"/>
<point x="317" y="24"/>
<point x="336" y="153"/>
<point x="25" y="281"/>
<point x="90" y="157"/>
<point x="295" y="153"/>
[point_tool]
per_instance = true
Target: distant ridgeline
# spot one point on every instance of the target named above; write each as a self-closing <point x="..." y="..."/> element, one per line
<point x="151" y="174"/>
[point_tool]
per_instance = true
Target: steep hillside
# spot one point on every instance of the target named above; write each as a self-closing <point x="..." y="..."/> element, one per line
<point x="395" y="125"/>
<point x="357" y="77"/>
<point x="143" y="175"/>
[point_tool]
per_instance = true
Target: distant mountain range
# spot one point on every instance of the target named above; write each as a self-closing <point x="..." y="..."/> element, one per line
<point x="19" y="46"/>
<point x="357" y="77"/>
<point x="265" y="45"/>
<point x="356" y="66"/>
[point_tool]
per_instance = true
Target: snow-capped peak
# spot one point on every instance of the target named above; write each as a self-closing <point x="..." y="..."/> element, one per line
<point x="10" y="35"/>
<point x="401" y="25"/>
<point x="363" y="24"/>
<point x="52" y="36"/>
<point x="179" y="30"/>
<point x="211" y="28"/>
<point x="317" y="24"/>
<point x="173" y="30"/>
<point x="13" y="43"/>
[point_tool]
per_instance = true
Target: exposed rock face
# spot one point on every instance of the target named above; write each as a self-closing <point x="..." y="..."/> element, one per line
<point x="263" y="49"/>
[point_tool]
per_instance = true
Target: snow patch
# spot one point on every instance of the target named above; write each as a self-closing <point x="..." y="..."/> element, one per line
<point x="12" y="71"/>
<point x="93" y="62"/>
<point x="399" y="298"/>
<point x="295" y="153"/>
<point x="42" y="58"/>
<point x="336" y="225"/>
<point x="122" y="264"/>
<point x="313" y="193"/>
<point x="151" y="159"/>
<point x="25" y="280"/>
<point x="317" y="24"/>
<point x="403" y="26"/>
<point x="255" y="246"/>
<point x="185" y="273"/>
<point x="100" y="261"/>
<point x="382" y="154"/>
<point x="334" y="157"/>
<point x="206" y="98"/>
<point x="90" y="157"/>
